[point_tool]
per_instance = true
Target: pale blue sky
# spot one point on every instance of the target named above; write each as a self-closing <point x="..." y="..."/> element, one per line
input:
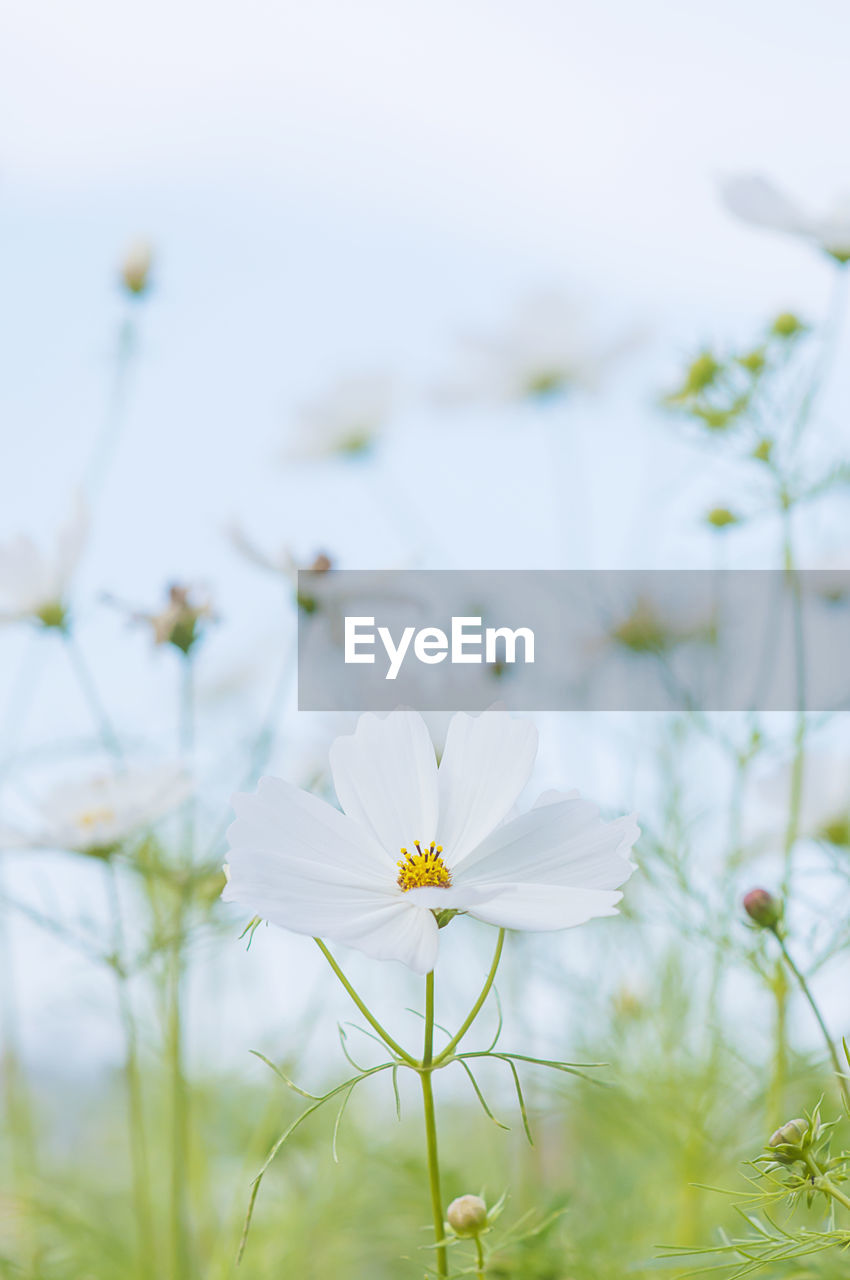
<point x="336" y="186"/>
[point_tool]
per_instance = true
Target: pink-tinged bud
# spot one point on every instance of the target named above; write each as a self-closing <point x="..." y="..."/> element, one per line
<point x="467" y="1216"/>
<point x="763" y="908"/>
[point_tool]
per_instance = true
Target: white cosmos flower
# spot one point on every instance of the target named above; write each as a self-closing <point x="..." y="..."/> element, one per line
<point x="548" y="349"/>
<point x="758" y="201"/>
<point x="97" y="813"/>
<point x="413" y="840"/>
<point x="824" y="803"/>
<point x="34" y="584"/>
<point x="279" y="561"/>
<point x="346" y="420"/>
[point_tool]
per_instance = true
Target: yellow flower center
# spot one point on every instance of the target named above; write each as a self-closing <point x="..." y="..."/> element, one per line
<point x="424" y="868"/>
<point x="92" y="817"/>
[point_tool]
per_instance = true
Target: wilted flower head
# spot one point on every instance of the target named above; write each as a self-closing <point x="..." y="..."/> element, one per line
<point x="94" y="815"/>
<point x="467" y="1216"/>
<point x="346" y="421"/>
<point x="758" y="201"/>
<point x="181" y="622"/>
<point x="34" y="585"/>
<point x="548" y="349"/>
<point x="136" y="268"/>
<point x="416" y="844"/>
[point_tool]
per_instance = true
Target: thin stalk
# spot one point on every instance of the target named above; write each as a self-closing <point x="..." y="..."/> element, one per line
<point x="174" y="1000"/>
<point x="16" y="1095"/>
<point x="831" y="333"/>
<point x="431" y="1129"/>
<point x="179" y="1115"/>
<point x="776" y="1096"/>
<point x="133" y="1076"/>
<point x="477" y="1007"/>
<point x="90" y="692"/>
<point x="367" y="1013"/>
<point x="825" y="1184"/>
<point x="115" y="414"/>
<point x="819" y="1019"/>
<point x="479" y="1259"/>
<point x="264" y="739"/>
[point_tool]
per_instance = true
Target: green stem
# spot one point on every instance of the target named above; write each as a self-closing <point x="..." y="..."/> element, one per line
<point x="479" y="1259"/>
<point x="425" y="1076"/>
<point x="90" y="692"/>
<point x="174" y="989"/>
<point x="795" y="796"/>
<point x="776" y="1097"/>
<point x="825" y="1184"/>
<point x="133" y="1077"/>
<point x="813" y="1005"/>
<point x="115" y="415"/>
<point x="476" y="1008"/>
<point x="179" y="1114"/>
<point x="367" y="1014"/>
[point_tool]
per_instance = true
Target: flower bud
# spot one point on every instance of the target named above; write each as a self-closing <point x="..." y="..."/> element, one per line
<point x="787" y="325"/>
<point x="467" y="1216"/>
<point x="753" y="362"/>
<point x="793" y="1140"/>
<point x="702" y="373"/>
<point x="181" y="622"/>
<point x="763" y="908"/>
<point x="136" y="268"/>
<point x="721" y="517"/>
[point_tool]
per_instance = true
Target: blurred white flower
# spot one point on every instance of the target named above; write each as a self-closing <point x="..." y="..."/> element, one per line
<point x="346" y="420"/>
<point x="549" y="349"/>
<point x="34" y="584"/>
<point x="136" y="268"/>
<point x="824" y="801"/>
<point x="758" y="201"/>
<point x="94" y="815"/>
<point x="374" y="876"/>
<point x="279" y="561"/>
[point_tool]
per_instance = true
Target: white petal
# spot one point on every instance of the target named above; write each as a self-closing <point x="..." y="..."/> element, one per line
<point x="540" y="907"/>
<point x="760" y="202"/>
<point x="563" y="842"/>
<point x="296" y="827"/>
<point x="454" y="898"/>
<point x="298" y="862"/>
<point x="385" y="776"/>
<point x="486" y="763"/>
<point x="287" y="893"/>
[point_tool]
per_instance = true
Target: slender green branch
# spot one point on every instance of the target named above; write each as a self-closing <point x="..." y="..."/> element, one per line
<point x="391" y="1044"/>
<point x="479" y="1259"/>
<point x="90" y="692"/>
<point x="813" y="1005"/>
<point x="476" y="1008"/>
<point x="132" y="1073"/>
<point x="824" y="1183"/>
<point x="431" y="1129"/>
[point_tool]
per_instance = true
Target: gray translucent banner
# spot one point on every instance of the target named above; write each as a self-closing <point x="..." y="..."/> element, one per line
<point x="545" y="640"/>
